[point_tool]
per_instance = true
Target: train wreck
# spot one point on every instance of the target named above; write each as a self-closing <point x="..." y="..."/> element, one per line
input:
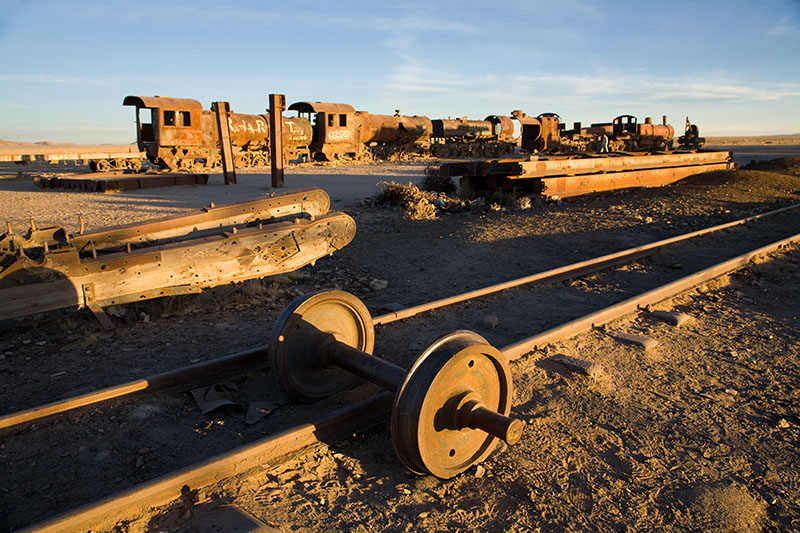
<point x="49" y="270"/>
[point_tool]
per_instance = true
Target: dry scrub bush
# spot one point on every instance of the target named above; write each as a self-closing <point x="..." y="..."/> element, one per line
<point x="415" y="203"/>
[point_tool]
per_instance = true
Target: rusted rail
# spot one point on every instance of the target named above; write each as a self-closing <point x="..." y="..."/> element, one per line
<point x="231" y="362"/>
<point x="351" y="419"/>
<point x="103" y="514"/>
<point x="573" y="270"/>
<point x="207" y="371"/>
<point x="598" y="318"/>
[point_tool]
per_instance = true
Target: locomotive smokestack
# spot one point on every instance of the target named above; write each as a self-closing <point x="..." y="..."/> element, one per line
<point x="664" y="120"/>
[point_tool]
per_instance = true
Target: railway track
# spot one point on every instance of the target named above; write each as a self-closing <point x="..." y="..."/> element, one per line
<point x="351" y="419"/>
<point x="255" y="358"/>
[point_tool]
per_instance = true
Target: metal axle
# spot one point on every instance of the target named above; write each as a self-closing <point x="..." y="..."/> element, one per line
<point x="465" y="412"/>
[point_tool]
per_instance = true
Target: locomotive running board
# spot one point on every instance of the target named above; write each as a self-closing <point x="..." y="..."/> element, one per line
<point x="49" y="271"/>
<point x="573" y="175"/>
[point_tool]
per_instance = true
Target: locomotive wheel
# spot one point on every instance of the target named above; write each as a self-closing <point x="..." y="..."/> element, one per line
<point x="134" y="164"/>
<point x="428" y="430"/>
<point x="102" y="165"/>
<point x="295" y="339"/>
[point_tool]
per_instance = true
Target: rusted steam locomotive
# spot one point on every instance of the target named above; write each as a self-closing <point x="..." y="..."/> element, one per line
<point x="177" y="134"/>
<point x="624" y="134"/>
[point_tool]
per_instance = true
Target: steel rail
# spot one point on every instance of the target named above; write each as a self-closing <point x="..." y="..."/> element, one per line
<point x="572" y="270"/>
<point x="258" y="355"/>
<point x="598" y="318"/>
<point x="256" y="358"/>
<point x="358" y="417"/>
<point x="105" y="512"/>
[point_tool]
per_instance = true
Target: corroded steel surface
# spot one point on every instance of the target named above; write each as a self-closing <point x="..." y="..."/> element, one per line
<point x="449" y="407"/>
<point x="575" y="175"/>
<point x="118" y="181"/>
<point x="48" y="270"/>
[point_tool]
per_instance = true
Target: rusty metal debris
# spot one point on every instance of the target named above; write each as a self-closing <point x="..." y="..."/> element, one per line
<point x="449" y="408"/>
<point x="50" y="270"/>
<point x="118" y="181"/>
<point x="691" y="140"/>
<point x="564" y="176"/>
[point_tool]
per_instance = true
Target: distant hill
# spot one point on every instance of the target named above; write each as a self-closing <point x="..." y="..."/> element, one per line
<point x="11" y="144"/>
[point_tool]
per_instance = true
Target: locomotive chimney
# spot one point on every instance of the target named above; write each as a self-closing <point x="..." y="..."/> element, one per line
<point x="576" y="126"/>
<point x="664" y="119"/>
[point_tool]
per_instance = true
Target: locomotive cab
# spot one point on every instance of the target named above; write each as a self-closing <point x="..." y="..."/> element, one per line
<point x="335" y="126"/>
<point x="624" y="124"/>
<point x="165" y="122"/>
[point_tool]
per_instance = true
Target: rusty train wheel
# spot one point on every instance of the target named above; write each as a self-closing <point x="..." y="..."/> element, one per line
<point x="295" y="337"/>
<point x="424" y="434"/>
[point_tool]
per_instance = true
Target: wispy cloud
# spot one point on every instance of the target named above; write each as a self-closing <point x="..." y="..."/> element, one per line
<point x="56" y="79"/>
<point x="784" y="28"/>
<point x="418" y="76"/>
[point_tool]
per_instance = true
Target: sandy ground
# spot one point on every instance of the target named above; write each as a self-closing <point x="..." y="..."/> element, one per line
<point x="699" y="433"/>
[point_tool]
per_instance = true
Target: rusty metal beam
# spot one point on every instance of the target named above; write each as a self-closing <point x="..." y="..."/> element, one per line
<point x="118" y="181"/>
<point x="670" y="290"/>
<point x="227" y="246"/>
<point x="200" y="373"/>
<point x="222" y="112"/>
<point x="277" y="103"/>
<point x="573" y="270"/>
<point x="103" y="514"/>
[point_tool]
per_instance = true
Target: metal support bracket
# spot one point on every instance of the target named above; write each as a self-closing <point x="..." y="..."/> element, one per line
<point x="91" y="302"/>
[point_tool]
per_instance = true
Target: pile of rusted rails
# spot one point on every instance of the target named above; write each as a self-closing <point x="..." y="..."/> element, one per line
<point x="256" y="357"/>
<point x="49" y="270"/>
<point x="561" y="176"/>
<point x="359" y="417"/>
<point x="100" y="158"/>
<point x="118" y="181"/>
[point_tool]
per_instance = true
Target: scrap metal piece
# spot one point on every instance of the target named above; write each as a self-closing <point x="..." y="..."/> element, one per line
<point x="564" y="176"/>
<point x="170" y="256"/>
<point x="119" y="181"/>
<point x="215" y="396"/>
<point x="94" y="307"/>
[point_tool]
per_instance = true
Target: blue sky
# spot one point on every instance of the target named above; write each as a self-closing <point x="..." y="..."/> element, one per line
<point x="732" y="66"/>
